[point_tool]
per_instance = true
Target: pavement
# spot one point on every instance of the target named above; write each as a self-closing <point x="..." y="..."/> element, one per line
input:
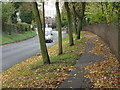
<point x="76" y="79"/>
<point x="17" y="52"/>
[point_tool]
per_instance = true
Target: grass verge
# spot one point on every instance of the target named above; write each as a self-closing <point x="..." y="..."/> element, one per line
<point x="31" y="73"/>
<point x="15" y="37"/>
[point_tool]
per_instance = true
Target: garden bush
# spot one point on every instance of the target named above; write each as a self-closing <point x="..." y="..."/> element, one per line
<point x="64" y="23"/>
<point x="22" y="27"/>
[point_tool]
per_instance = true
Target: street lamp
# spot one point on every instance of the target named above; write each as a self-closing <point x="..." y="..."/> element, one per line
<point x="18" y="18"/>
<point x="10" y="25"/>
<point x="17" y="13"/>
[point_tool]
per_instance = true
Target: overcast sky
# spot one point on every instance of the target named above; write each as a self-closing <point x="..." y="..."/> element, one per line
<point x="50" y="9"/>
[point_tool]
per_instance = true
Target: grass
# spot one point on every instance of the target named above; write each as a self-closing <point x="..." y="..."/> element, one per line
<point x="15" y="37"/>
<point x="31" y="73"/>
<point x="74" y="37"/>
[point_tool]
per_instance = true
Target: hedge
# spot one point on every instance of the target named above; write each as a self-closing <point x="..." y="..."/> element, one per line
<point x="20" y="27"/>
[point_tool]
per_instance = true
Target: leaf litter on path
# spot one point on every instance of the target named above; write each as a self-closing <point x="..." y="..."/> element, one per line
<point x="103" y="74"/>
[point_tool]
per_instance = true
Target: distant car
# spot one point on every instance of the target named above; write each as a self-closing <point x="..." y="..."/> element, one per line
<point x="48" y="35"/>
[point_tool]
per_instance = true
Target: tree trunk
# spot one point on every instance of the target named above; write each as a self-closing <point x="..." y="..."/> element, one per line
<point x="10" y="29"/>
<point x="43" y="20"/>
<point x="80" y="21"/>
<point x="106" y="4"/>
<point x="79" y="28"/>
<point x="119" y="34"/>
<point x="69" y="24"/>
<point x="102" y="8"/>
<point x="74" y="15"/>
<point x="44" y="51"/>
<point x="59" y="29"/>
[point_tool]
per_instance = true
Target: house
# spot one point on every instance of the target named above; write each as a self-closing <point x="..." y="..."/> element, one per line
<point x="49" y="21"/>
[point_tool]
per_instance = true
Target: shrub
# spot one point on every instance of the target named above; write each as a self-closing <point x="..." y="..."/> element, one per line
<point x="22" y="27"/>
<point x="5" y="27"/>
<point x="26" y="17"/>
<point x="16" y="28"/>
<point x="64" y="23"/>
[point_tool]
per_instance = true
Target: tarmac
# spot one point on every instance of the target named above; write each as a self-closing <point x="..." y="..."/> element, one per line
<point x="76" y="78"/>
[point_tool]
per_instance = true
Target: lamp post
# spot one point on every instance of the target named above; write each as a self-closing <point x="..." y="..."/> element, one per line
<point x="18" y="18"/>
<point x="10" y="25"/>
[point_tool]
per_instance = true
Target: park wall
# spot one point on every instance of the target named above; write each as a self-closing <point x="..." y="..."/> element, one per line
<point x="109" y="34"/>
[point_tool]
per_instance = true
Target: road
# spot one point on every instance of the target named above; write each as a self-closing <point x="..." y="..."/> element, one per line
<point x="17" y="52"/>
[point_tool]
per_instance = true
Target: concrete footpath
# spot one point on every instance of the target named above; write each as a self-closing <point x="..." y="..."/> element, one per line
<point x="76" y="79"/>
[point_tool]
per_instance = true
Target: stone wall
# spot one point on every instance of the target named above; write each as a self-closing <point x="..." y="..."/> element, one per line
<point x="109" y="34"/>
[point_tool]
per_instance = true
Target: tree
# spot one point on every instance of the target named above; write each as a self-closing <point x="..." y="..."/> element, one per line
<point x="43" y="19"/>
<point x="69" y="24"/>
<point x="26" y="17"/>
<point x="7" y="11"/>
<point x="16" y="5"/>
<point x="74" y="18"/>
<point x="80" y="14"/>
<point x="59" y="29"/>
<point x="63" y="13"/>
<point x="119" y="31"/>
<point x="25" y="10"/>
<point x="26" y="13"/>
<point x="64" y="21"/>
<point x="44" y="51"/>
<point x="102" y="12"/>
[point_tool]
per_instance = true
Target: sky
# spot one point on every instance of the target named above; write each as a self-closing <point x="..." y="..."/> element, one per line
<point x="50" y="9"/>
